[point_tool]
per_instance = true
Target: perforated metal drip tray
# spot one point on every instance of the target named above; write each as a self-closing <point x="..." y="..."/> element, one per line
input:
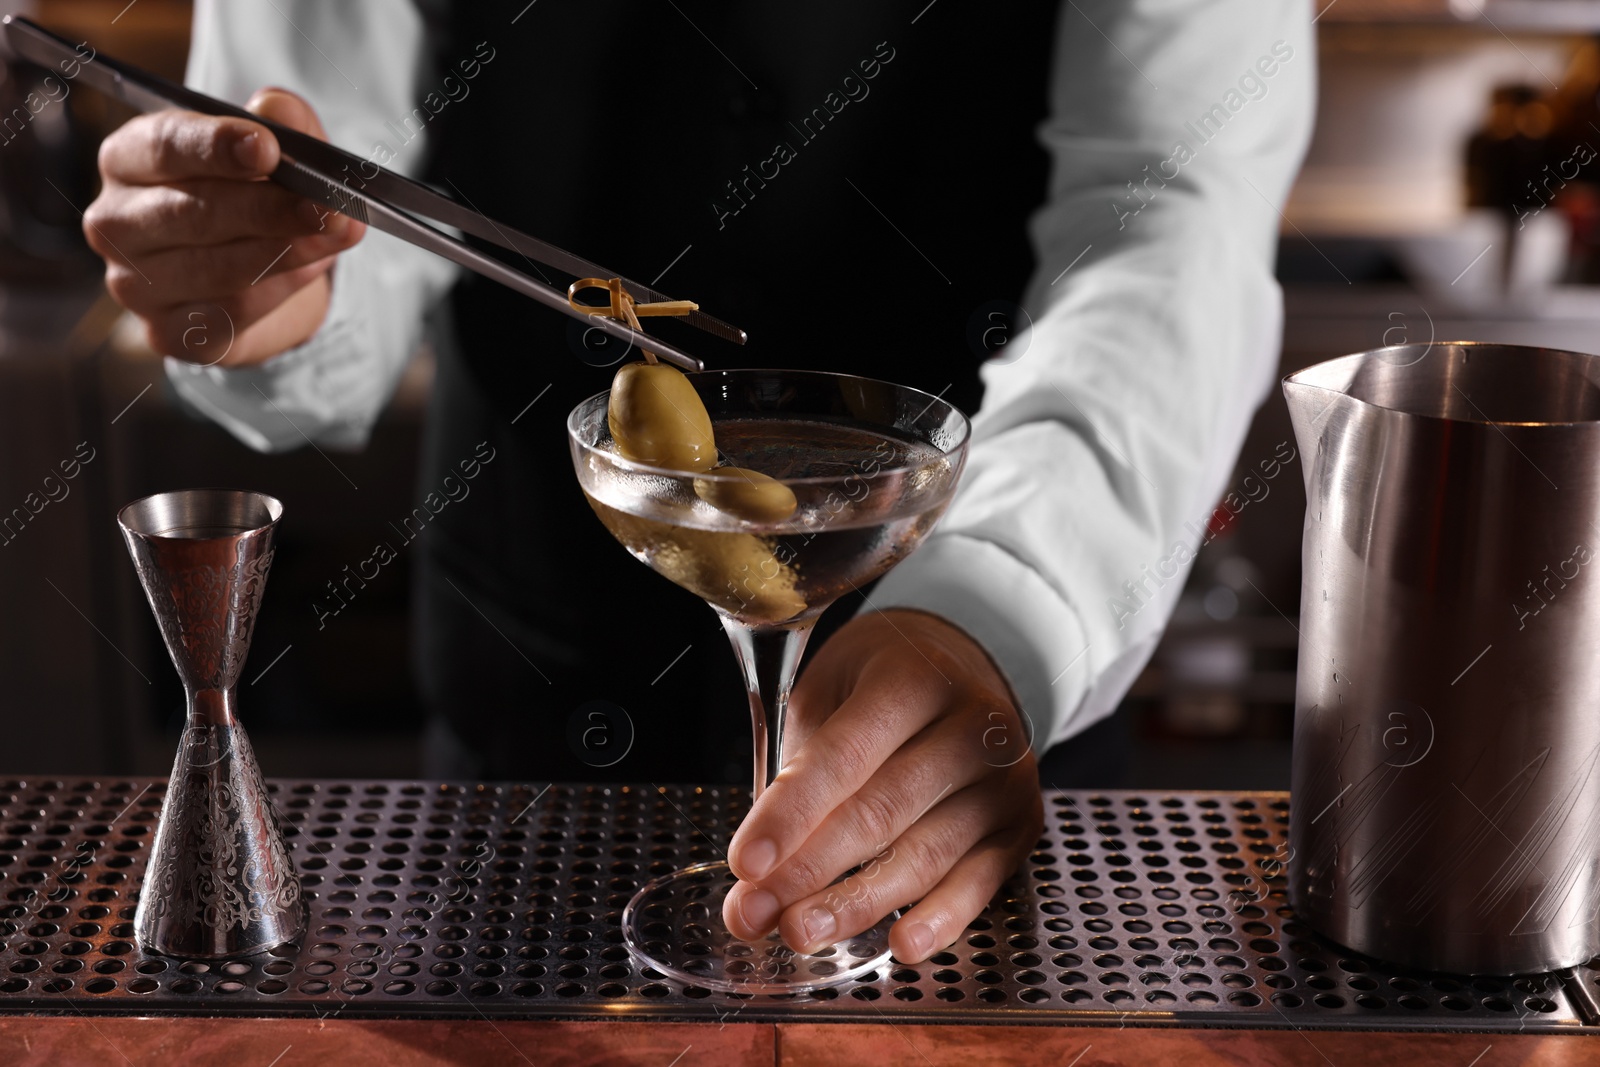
<point x="501" y="900"/>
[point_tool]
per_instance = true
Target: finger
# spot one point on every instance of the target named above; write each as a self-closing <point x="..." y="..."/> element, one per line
<point x="944" y="911"/>
<point x="198" y="333"/>
<point x="927" y="769"/>
<point x="137" y="220"/>
<point x="171" y="146"/>
<point x="908" y="869"/>
<point x="162" y="280"/>
<point x="846" y="751"/>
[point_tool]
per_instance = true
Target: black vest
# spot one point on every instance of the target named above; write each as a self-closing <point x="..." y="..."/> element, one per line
<point x="849" y="187"/>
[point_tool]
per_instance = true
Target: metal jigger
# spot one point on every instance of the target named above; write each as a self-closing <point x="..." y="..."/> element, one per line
<point x="219" y="882"/>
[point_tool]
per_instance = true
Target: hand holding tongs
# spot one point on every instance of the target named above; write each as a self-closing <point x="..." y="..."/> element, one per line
<point x="346" y="183"/>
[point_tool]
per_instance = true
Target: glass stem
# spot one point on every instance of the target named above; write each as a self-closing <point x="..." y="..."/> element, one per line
<point x="769" y="657"/>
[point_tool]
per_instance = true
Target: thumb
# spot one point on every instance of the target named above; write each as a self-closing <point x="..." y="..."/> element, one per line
<point x="826" y="682"/>
<point x="287" y="109"/>
<point x="291" y="110"/>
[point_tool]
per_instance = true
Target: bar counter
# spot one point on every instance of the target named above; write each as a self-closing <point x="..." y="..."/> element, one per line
<point x="70" y="1042"/>
<point x="478" y="922"/>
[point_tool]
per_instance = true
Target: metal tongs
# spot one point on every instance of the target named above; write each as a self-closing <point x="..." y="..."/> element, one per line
<point x="385" y="200"/>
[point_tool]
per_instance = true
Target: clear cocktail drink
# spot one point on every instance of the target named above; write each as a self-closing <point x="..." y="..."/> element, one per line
<point x="824" y="482"/>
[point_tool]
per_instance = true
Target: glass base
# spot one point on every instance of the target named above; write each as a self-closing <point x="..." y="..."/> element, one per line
<point x="674" y="925"/>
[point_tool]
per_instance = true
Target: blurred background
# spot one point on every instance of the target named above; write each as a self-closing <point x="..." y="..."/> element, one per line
<point x="1452" y="191"/>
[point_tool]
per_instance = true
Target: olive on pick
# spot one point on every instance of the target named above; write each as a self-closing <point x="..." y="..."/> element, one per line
<point x="748" y="494"/>
<point x="737" y="572"/>
<point x="656" y="417"/>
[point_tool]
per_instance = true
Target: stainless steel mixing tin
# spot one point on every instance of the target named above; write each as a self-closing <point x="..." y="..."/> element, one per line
<point x="1447" y="720"/>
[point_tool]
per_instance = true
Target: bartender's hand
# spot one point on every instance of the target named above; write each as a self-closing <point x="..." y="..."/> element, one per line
<point x="201" y="247"/>
<point x="890" y="761"/>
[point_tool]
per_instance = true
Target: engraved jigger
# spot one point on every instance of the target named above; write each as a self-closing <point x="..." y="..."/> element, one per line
<point x="219" y="882"/>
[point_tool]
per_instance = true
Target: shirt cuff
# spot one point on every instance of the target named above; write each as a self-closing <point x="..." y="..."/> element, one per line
<point x="249" y="402"/>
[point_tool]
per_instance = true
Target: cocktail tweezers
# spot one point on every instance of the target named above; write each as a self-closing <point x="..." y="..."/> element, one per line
<point x="346" y="183"/>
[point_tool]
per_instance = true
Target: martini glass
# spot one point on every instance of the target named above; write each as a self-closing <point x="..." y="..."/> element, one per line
<point x="872" y="466"/>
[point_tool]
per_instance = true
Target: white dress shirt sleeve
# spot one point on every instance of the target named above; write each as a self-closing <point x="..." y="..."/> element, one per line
<point x="362" y="66"/>
<point x="1109" y="429"/>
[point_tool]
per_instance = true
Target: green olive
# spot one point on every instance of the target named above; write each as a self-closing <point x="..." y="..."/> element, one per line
<point x="753" y="496"/>
<point x="753" y="584"/>
<point x="741" y="573"/>
<point x="656" y="417"/>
